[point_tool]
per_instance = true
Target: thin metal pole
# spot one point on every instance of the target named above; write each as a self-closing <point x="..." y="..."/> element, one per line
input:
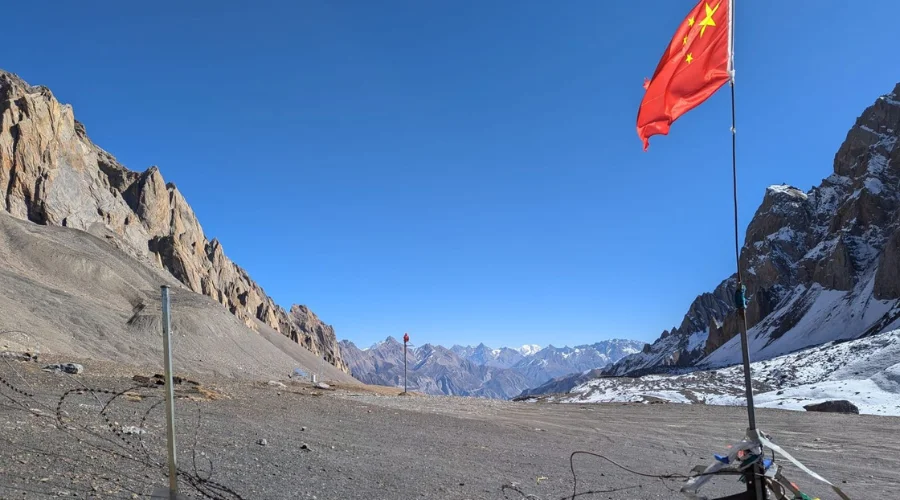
<point x="404" y="366"/>
<point x="170" y="394"/>
<point x="754" y="482"/>
<point x="745" y="349"/>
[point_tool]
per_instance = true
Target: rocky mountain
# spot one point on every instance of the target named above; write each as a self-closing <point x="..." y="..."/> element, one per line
<point x="481" y="354"/>
<point x="551" y="362"/>
<point x="819" y="266"/>
<point x="480" y="370"/>
<point x="52" y="174"/>
<point x="863" y="371"/>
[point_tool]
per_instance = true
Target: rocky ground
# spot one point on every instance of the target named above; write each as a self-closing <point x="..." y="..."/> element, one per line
<point x="260" y="440"/>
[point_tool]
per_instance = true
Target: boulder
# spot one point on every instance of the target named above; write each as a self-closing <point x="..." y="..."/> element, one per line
<point x="837" y="406"/>
<point x="70" y="368"/>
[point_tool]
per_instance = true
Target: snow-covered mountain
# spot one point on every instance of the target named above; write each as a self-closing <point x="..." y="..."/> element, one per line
<point x="480" y="370"/>
<point x="865" y="372"/>
<point x="820" y="265"/>
<point x="529" y="349"/>
<point x="551" y="362"/>
<point x="481" y="354"/>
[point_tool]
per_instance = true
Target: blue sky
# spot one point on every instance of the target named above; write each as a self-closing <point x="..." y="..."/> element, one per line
<point x="465" y="171"/>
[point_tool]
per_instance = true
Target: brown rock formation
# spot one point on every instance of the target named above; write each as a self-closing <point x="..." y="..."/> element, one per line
<point x="837" y="236"/>
<point x="52" y="174"/>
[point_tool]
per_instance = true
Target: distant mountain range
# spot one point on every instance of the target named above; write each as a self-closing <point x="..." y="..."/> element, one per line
<point x="478" y="370"/>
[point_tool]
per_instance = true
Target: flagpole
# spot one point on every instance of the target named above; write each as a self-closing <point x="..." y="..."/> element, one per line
<point x="740" y="300"/>
<point x="739" y="293"/>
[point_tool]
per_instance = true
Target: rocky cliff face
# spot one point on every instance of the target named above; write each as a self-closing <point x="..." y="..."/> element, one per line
<point x="52" y="174"/>
<point x="820" y="265"/>
<point x="315" y="335"/>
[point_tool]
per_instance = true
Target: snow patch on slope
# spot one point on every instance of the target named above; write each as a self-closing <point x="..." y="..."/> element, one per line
<point x="697" y="340"/>
<point x="831" y="315"/>
<point x="788" y="190"/>
<point x="864" y="371"/>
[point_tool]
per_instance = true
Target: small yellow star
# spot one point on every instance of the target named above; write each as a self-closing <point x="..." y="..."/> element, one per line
<point x="689" y="58"/>
<point x="691" y="22"/>
<point x="684" y="42"/>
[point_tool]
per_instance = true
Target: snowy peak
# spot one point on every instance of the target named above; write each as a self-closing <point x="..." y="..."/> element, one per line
<point x="388" y="343"/>
<point x="786" y="190"/>
<point x="864" y="372"/>
<point x="529" y="349"/>
<point x="820" y="265"/>
<point x="480" y="370"/>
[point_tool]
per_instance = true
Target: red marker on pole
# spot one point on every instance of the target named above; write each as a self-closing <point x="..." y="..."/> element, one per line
<point x="405" y="341"/>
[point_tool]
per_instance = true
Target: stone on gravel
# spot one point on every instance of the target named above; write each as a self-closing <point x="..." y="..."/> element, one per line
<point x="303" y="429"/>
<point x="132" y="430"/>
<point x="304" y="446"/>
<point x="18" y="356"/>
<point x="262" y="442"/>
<point x="275" y="383"/>
<point x="70" y="368"/>
<point x="323" y="385"/>
<point x="837" y="406"/>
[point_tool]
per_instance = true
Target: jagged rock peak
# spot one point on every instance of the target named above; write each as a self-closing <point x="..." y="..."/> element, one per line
<point x="842" y="238"/>
<point x="52" y="174"/>
<point x="315" y="335"/>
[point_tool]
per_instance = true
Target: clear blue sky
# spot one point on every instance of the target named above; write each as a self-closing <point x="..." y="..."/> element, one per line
<point x="463" y="170"/>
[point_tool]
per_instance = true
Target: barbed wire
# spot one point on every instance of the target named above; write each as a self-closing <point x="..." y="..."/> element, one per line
<point x="130" y="447"/>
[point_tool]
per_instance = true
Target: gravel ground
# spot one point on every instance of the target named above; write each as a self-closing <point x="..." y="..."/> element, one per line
<point x="353" y="443"/>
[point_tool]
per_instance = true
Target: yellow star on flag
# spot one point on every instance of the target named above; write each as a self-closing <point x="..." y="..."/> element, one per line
<point x="708" y="20"/>
<point x="689" y="58"/>
<point x="684" y="42"/>
<point x="691" y="22"/>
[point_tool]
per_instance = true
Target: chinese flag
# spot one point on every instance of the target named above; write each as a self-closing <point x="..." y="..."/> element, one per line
<point x="694" y="66"/>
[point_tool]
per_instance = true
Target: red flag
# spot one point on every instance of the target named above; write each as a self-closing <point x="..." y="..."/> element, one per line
<point x="694" y="67"/>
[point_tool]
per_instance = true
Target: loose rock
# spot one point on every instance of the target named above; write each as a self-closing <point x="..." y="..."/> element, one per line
<point x="70" y="368"/>
<point x="18" y="356"/>
<point x="838" y="406"/>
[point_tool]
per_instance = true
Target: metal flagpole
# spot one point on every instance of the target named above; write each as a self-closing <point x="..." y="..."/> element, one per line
<point x="753" y="483"/>
<point x="170" y="393"/>
<point x="405" y="341"/>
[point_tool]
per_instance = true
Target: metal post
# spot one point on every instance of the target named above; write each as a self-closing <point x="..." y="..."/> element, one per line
<point x="754" y="482"/>
<point x="170" y="394"/>
<point x="404" y="366"/>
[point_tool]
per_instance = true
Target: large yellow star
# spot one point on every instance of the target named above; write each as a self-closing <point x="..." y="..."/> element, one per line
<point x="689" y="58"/>
<point x="708" y="20"/>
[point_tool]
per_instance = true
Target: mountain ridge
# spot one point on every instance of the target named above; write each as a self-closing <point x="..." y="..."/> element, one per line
<point x="819" y="266"/>
<point x="476" y="370"/>
<point x="52" y="174"/>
